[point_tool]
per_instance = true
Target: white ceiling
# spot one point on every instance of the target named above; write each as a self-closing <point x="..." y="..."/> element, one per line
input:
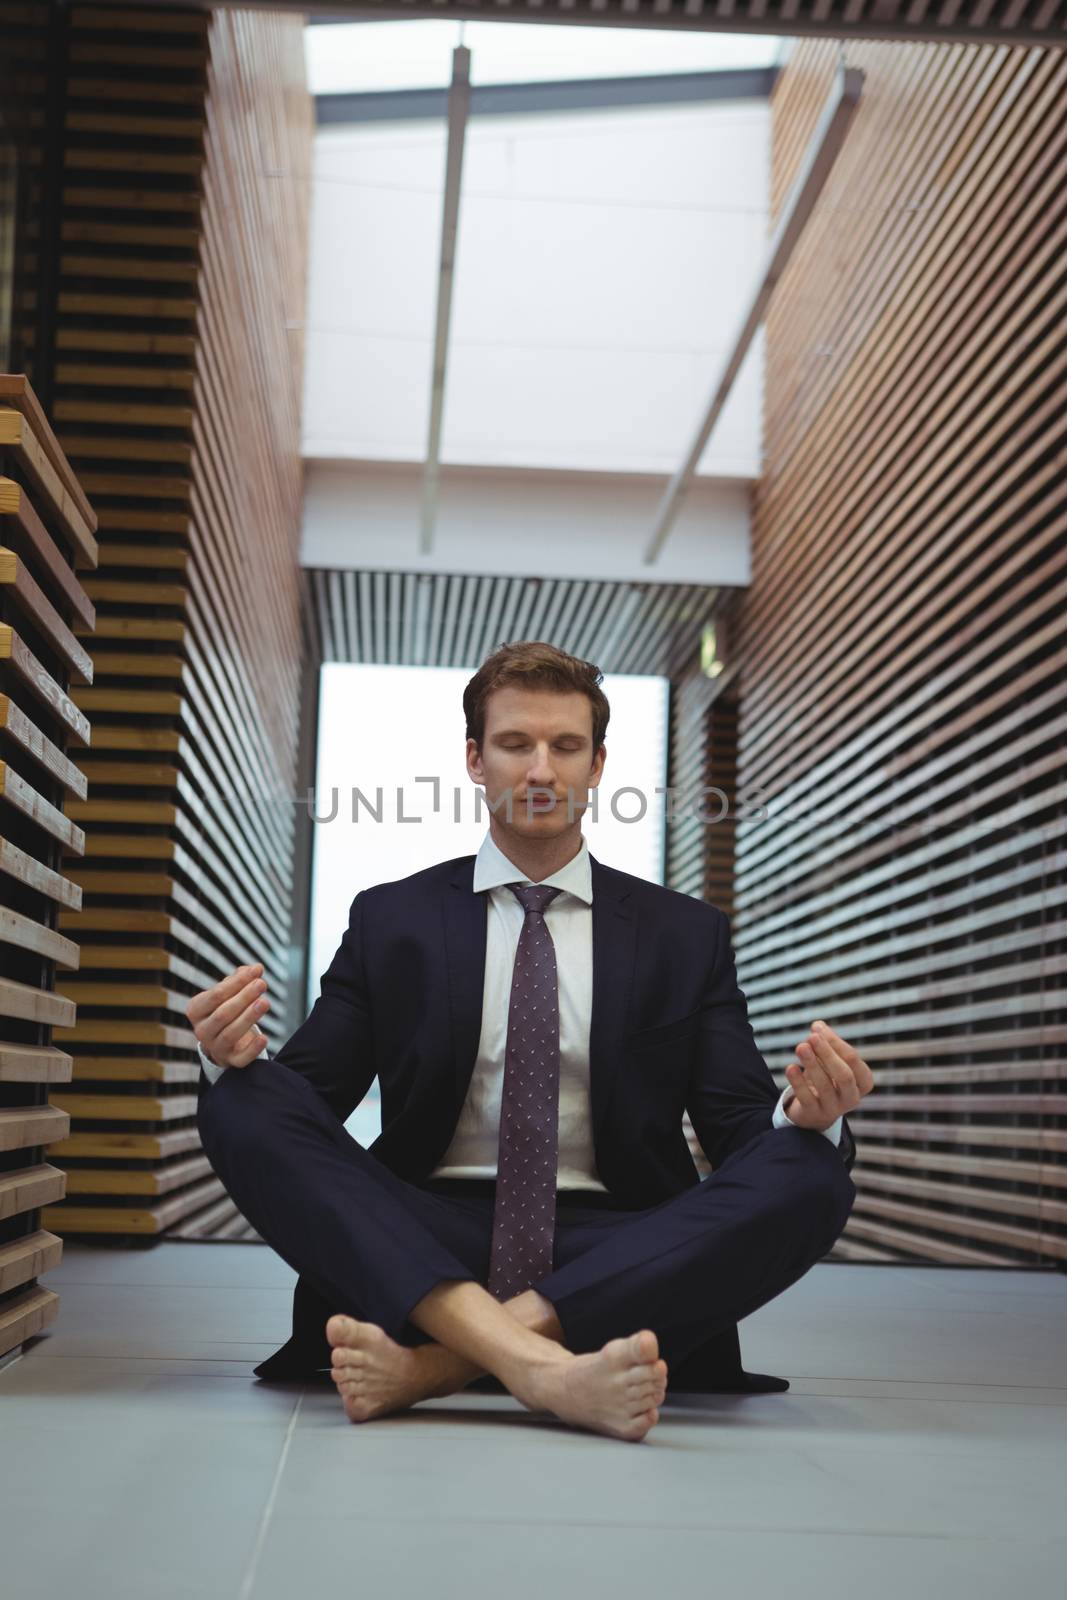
<point x="603" y="262"/>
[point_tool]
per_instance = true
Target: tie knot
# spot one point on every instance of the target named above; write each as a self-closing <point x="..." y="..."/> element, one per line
<point x="533" y="896"/>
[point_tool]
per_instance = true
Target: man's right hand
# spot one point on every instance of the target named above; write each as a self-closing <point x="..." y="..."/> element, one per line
<point x="223" y="1018"/>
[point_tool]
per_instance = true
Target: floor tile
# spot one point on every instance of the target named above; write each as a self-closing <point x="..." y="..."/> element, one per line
<point x="465" y="1561"/>
<point x="829" y="1462"/>
<point x="919" y="1450"/>
<point x="166" y="1506"/>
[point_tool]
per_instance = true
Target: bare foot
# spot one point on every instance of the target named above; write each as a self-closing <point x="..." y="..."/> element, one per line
<point x="375" y="1375"/>
<point x="615" y="1390"/>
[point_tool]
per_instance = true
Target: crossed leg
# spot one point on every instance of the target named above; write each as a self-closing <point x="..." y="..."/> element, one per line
<point x="684" y="1269"/>
<point x="354" y="1228"/>
<point x="687" y="1268"/>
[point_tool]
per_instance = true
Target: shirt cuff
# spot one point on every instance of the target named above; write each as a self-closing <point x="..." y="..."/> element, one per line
<point x="780" y="1120"/>
<point x="212" y="1069"/>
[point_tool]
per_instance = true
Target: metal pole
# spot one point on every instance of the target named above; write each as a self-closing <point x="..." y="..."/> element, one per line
<point x="459" y="96"/>
<point x="822" y="152"/>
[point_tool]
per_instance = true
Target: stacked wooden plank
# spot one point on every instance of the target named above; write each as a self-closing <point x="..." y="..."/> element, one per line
<point x="47" y="529"/>
<point x="724" y="802"/>
<point x="902" y="648"/>
<point x="176" y="381"/>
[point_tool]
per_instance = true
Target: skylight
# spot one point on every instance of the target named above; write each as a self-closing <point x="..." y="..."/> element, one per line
<point x="368" y="57"/>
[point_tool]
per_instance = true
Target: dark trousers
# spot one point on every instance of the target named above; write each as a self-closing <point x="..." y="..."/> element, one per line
<point x="372" y="1245"/>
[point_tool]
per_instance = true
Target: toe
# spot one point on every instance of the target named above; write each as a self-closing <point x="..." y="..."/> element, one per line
<point x="640" y="1425"/>
<point x="645" y="1346"/>
<point x="339" y="1329"/>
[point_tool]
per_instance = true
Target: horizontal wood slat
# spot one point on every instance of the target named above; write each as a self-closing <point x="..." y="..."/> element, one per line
<point x="16" y="929"/>
<point x="69" y="498"/>
<point x="33" y="1063"/>
<point x="126" y="1108"/>
<point x="161" y="1180"/>
<point x="125" y="1146"/>
<point x="14" y="504"/>
<point x="136" y="1219"/>
<point x="901" y="651"/>
<point x="24" y="1189"/>
<point x="28" y="452"/>
<point x="27" y="1258"/>
<point x="23" y="1127"/>
<point x="24" y="1314"/>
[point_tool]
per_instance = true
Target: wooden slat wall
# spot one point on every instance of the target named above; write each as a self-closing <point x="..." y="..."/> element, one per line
<point x="902" y="649"/>
<point x="47" y="529"/>
<point x="701" y="824"/>
<point x="721" y="835"/>
<point x="688" y="838"/>
<point x="687" y="766"/>
<point x="177" y="386"/>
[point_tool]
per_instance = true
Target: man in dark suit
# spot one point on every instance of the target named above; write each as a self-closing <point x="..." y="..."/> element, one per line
<point x="538" y="1022"/>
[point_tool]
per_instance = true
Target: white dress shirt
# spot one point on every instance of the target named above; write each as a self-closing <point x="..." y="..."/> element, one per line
<point x="569" y="918"/>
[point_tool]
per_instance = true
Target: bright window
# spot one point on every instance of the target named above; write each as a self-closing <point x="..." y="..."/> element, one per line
<point x="384" y="727"/>
<point x="360" y="58"/>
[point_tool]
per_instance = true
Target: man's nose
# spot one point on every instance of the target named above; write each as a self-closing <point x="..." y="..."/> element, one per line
<point x="541" y="770"/>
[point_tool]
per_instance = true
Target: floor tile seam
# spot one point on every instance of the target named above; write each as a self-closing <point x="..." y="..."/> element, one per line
<point x="812" y="1378"/>
<point x="133" y="1362"/>
<point x="248" y="1581"/>
<point x="233" y="1361"/>
<point x="123" y="1355"/>
<point x="763" y="1526"/>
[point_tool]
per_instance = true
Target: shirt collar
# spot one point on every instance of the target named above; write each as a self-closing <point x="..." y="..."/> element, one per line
<point x="493" y="869"/>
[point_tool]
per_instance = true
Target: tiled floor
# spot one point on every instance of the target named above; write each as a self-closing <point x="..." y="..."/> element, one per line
<point x="920" y="1452"/>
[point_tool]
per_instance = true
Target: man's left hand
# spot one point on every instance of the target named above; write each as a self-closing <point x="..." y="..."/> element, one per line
<point x="829" y="1078"/>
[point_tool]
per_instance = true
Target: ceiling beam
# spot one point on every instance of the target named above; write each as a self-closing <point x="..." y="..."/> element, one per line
<point x="567" y="94"/>
<point x="965" y="22"/>
<point x="815" y="168"/>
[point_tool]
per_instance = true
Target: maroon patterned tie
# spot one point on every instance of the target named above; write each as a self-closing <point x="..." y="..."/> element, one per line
<point x="524" y="1214"/>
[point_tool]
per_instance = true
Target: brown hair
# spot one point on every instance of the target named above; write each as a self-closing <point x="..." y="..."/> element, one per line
<point x="533" y="664"/>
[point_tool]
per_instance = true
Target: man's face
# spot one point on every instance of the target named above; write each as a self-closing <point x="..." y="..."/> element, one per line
<point x="538" y="744"/>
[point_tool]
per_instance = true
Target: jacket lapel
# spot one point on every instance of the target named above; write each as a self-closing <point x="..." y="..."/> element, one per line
<point x="465" y="916"/>
<point x="614" y="950"/>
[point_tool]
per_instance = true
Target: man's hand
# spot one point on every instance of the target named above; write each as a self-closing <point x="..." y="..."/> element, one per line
<point x="828" y="1079"/>
<point x="223" y="1018"/>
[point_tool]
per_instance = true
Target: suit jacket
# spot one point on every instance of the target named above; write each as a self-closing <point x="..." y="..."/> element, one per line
<point x="669" y="1032"/>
